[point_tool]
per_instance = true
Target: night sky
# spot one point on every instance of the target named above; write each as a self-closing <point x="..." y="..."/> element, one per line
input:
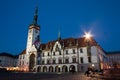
<point x="71" y="17"/>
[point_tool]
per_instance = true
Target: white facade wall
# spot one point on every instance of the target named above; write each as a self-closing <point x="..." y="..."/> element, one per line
<point x="7" y="61"/>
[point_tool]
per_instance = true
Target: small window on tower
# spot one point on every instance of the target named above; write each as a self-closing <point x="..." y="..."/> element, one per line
<point x="36" y="31"/>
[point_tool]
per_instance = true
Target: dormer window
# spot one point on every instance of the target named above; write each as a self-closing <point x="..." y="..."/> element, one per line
<point x="57" y="48"/>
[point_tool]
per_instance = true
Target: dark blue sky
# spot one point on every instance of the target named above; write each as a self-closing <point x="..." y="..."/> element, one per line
<point x="70" y="17"/>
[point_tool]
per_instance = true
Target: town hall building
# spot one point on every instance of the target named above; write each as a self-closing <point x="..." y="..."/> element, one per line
<point x="61" y="55"/>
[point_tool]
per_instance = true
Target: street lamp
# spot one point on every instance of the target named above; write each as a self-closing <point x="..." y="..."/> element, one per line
<point x="87" y="37"/>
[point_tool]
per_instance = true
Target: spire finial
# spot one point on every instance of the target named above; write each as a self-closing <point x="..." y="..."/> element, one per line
<point x="35" y="16"/>
<point x="59" y="36"/>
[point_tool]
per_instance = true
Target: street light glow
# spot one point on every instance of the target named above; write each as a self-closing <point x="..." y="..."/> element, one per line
<point x="87" y="35"/>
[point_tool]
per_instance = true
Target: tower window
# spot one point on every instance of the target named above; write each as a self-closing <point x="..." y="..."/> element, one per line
<point x="36" y="31"/>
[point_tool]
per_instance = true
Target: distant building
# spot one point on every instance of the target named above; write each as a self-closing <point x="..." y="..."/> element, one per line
<point x="114" y="59"/>
<point x="62" y="55"/>
<point x="8" y="60"/>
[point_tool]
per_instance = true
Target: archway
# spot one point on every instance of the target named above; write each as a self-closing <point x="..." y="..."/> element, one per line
<point x="57" y="69"/>
<point x="44" y="69"/>
<point x="51" y="69"/>
<point x="72" y="68"/>
<point x="39" y="69"/>
<point x="64" y="68"/>
<point x="31" y="62"/>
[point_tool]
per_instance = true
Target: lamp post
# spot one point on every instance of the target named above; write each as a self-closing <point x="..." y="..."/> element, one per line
<point x="87" y="37"/>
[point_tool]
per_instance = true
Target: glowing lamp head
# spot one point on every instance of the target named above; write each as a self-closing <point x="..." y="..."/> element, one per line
<point x="87" y="35"/>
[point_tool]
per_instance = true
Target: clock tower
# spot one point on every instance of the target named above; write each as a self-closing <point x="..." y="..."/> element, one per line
<point x="33" y="43"/>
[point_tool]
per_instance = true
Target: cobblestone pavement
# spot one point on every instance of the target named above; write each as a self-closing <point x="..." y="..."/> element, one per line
<point x="51" y="76"/>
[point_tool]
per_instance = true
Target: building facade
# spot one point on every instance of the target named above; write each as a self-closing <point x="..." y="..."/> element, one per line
<point x="61" y="55"/>
<point x="113" y="59"/>
<point x="8" y="60"/>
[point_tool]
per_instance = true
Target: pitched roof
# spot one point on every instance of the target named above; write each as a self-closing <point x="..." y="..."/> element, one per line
<point x="113" y="52"/>
<point x="8" y="54"/>
<point x="23" y="52"/>
<point x="66" y="43"/>
<point x="69" y="42"/>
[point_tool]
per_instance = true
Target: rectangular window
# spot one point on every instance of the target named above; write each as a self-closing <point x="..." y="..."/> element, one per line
<point x="48" y="54"/>
<point x="48" y="61"/>
<point x="66" y="61"/>
<point x="53" y="53"/>
<point x="23" y="56"/>
<point x="20" y="62"/>
<point x="81" y="50"/>
<point x="89" y="59"/>
<point x="54" y="61"/>
<point x="66" y="51"/>
<point x="81" y="59"/>
<point x="38" y="62"/>
<point x="23" y="63"/>
<point x="73" y="51"/>
<point x="43" y="62"/>
<point x="60" y="61"/>
<point x="43" y="55"/>
<point x="59" y="52"/>
<point x="74" y="60"/>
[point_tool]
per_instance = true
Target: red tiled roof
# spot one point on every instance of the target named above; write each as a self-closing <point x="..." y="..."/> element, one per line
<point x="23" y="52"/>
<point x="69" y="42"/>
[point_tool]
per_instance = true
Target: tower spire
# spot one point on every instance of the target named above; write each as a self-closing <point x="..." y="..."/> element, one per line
<point x="59" y="36"/>
<point x="35" y="16"/>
